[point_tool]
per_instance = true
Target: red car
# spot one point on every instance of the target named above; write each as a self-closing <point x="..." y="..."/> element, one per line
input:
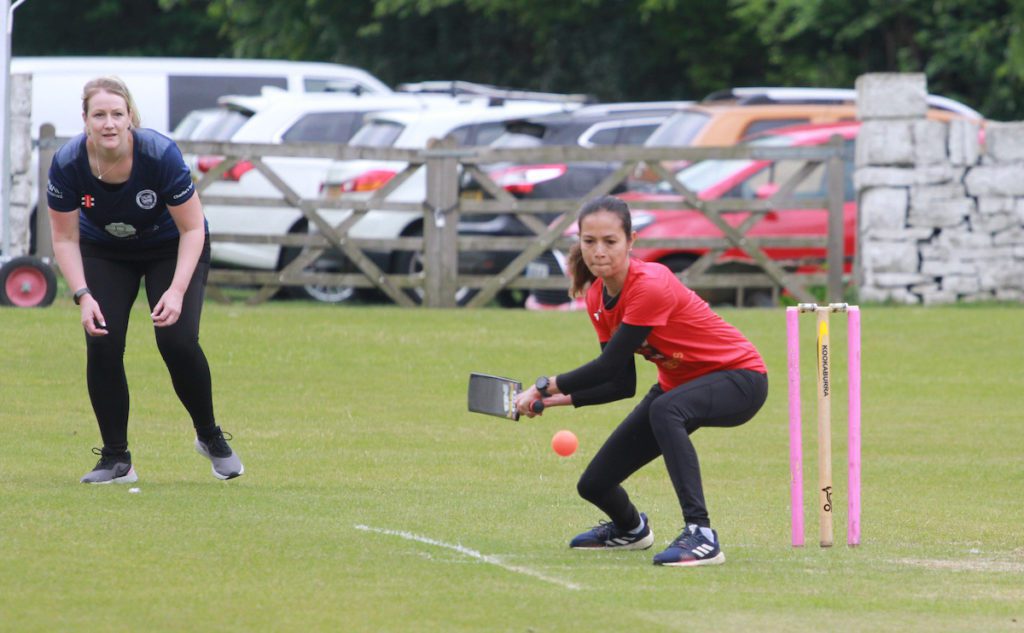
<point x="742" y="179"/>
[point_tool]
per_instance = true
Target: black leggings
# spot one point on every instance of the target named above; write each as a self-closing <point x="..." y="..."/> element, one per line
<point x="661" y="424"/>
<point x="114" y="283"/>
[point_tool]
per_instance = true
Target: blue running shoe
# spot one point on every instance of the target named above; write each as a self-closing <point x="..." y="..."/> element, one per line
<point x="691" y="549"/>
<point x="606" y="536"/>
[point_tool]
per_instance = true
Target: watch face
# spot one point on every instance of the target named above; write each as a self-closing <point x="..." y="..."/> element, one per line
<point x="542" y="384"/>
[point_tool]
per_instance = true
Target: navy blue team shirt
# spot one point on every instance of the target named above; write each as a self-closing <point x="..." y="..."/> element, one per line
<point x="134" y="215"/>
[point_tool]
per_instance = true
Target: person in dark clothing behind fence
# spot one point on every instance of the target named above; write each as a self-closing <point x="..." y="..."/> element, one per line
<point x="709" y="375"/>
<point x="123" y="208"/>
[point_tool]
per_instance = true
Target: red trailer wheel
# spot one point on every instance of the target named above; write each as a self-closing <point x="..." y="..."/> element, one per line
<point x="27" y="282"/>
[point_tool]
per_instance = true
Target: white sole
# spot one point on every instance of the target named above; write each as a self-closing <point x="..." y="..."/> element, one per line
<point x="716" y="560"/>
<point x="644" y="543"/>
<point x="216" y="474"/>
<point x="128" y="478"/>
<point x="202" y="451"/>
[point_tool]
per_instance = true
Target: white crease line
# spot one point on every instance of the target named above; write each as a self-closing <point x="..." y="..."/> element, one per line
<point x="472" y="553"/>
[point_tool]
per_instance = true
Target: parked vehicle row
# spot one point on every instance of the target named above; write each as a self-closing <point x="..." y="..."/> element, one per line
<point x="279" y="118"/>
<point x="475" y="124"/>
<point x="396" y="120"/>
<point x="767" y="115"/>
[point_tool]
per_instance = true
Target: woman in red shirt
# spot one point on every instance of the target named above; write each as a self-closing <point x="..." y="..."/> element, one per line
<point x="709" y="374"/>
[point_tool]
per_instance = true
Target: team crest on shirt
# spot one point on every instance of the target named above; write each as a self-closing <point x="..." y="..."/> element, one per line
<point x="146" y="199"/>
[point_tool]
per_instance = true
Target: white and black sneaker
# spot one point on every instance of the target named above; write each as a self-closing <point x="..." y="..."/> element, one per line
<point x="226" y="464"/>
<point x="112" y="468"/>
<point x="607" y="536"/>
<point x="692" y="548"/>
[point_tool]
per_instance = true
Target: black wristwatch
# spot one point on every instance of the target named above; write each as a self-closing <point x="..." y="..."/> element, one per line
<point x="542" y="385"/>
<point x="81" y="292"/>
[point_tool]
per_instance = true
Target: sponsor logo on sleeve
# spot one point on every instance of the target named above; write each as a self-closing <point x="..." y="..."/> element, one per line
<point x="184" y="192"/>
<point x="146" y="199"/>
<point x="54" y="191"/>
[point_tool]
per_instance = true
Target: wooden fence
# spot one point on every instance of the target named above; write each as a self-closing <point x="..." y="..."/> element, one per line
<point x="442" y="208"/>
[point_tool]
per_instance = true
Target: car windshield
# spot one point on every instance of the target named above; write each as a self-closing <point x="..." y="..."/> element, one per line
<point x="377" y="134"/>
<point x="707" y="173"/>
<point x="678" y="130"/>
<point x="325" y="127"/>
<point x="225" y="125"/>
<point x="191" y="122"/>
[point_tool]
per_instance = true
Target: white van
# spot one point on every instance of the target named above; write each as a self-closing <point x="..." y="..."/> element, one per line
<point x="166" y="89"/>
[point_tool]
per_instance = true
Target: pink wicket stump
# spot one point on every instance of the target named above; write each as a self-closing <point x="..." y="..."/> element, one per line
<point x="853" y="422"/>
<point x="853" y="431"/>
<point x="796" y="442"/>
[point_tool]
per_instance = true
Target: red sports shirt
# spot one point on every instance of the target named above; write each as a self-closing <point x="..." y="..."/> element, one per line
<point x="688" y="339"/>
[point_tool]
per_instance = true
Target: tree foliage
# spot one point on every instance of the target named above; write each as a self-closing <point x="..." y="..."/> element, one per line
<point x="972" y="50"/>
<point x="115" y="27"/>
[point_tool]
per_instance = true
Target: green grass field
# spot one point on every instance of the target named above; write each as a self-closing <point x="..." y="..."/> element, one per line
<point x="373" y="501"/>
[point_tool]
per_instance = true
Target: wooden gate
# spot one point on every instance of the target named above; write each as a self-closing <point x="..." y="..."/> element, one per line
<point x="442" y="208"/>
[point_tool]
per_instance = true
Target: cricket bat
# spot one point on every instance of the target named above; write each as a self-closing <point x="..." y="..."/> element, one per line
<point x="494" y="395"/>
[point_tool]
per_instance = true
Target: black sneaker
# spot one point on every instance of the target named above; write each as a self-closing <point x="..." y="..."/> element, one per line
<point x="606" y="536"/>
<point x="226" y="464"/>
<point x="112" y="468"/>
<point x="691" y="549"/>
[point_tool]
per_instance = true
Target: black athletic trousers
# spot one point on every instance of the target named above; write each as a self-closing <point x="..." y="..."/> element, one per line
<point x="113" y="278"/>
<point x="661" y="424"/>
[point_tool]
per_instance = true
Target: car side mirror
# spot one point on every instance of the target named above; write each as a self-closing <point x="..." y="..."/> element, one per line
<point x="767" y="190"/>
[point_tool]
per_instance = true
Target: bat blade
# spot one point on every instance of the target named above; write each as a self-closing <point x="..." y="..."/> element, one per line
<point x="493" y="395"/>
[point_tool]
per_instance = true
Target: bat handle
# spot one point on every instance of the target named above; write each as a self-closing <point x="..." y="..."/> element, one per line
<point x="537" y="406"/>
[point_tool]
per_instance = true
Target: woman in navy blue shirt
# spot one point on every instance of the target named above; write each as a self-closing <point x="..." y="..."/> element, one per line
<point x="123" y="208"/>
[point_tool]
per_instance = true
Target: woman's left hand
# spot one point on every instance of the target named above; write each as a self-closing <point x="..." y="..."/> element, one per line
<point x="168" y="309"/>
<point x="525" y="400"/>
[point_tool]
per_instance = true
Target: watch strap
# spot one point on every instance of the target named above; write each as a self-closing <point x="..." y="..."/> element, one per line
<point x="81" y="292"/>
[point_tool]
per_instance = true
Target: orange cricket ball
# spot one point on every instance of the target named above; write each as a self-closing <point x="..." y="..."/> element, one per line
<point x="564" y="443"/>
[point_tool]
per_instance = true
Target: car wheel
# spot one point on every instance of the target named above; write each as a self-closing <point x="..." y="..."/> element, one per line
<point x="512" y="298"/>
<point x="324" y="293"/>
<point x="411" y="263"/>
<point x="27" y="282"/>
<point x="314" y="292"/>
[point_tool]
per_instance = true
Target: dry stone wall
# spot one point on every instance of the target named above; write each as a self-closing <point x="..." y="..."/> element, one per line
<point x="941" y="205"/>
<point x="22" y="179"/>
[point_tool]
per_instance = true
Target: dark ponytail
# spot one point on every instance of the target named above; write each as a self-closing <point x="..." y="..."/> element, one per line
<point x="581" y="275"/>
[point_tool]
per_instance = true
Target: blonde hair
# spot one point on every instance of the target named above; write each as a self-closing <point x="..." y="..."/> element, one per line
<point x="113" y="85"/>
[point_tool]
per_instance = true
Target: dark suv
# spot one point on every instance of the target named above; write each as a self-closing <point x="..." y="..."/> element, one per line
<point x="588" y="126"/>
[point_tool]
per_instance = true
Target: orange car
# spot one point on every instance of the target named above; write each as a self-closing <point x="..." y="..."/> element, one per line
<point x="725" y="117"/>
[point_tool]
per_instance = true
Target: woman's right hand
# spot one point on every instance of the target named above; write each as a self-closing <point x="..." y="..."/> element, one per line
<point x="525" y="400"/>
<point x="92" y="318"/>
